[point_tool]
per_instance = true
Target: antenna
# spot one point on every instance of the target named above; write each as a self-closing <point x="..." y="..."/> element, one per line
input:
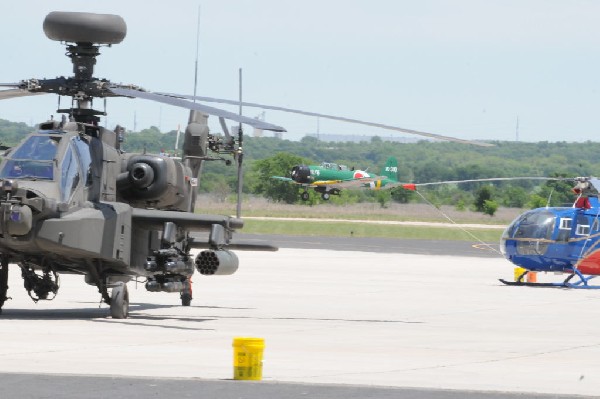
<point x="177" y="139"/>
<point x="197" y="51"/>
<point x="240" y="155"/>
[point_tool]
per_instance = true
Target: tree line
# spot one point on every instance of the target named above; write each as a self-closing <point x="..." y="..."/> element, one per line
<point x="418" y="162"/>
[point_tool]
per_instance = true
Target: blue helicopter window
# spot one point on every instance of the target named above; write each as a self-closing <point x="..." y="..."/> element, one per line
<point x="596" y="224"/>
<point x="33" y="159"/>
<point x="565" y="223"/>
<point x="583" y="226"/>
<point x="535" y="224"/>
<point x="69" y="174"/>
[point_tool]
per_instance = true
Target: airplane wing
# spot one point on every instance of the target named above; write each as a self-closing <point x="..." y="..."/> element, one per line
<point x="287" y="179"/>
<point x="154" y="219"/>
<point x="359" y="183"/>
<point x="281" y="178"/>
<point x="326" y="183"/>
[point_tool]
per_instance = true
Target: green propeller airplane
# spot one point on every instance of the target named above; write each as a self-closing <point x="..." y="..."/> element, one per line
<point x="330" y="178"/>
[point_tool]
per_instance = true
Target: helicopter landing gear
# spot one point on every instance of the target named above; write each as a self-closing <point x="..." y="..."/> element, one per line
<point x="304" y="196"/>
<point x="186" y="293"/>
<point x="119" y="301"/>
<point x="3" y="281"/>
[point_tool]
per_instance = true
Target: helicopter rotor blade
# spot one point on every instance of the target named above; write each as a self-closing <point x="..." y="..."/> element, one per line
<point x="595" y="182"/>
<point x="224" y="127"/>
<point x="14" y="93"/>
<point x="413" y="186"/>
<point x="337" y="118"/>
<point x="179" y="102"/>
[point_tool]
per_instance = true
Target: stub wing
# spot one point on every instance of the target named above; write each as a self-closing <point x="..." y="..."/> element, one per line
<point x="153" y="219"/>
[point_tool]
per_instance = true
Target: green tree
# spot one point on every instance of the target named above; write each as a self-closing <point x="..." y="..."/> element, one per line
<point x="514" y="197"/>
<point x="383" y="197"/>
<point x="279" y="164"/>
<point x="490" y="207"/>
<point x="402" y="195"/>
<point x="536" y="201"/>
<point x="482" y="195"/>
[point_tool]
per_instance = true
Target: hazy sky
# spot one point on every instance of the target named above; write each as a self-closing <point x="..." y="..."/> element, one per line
<point x="461" y="68"/>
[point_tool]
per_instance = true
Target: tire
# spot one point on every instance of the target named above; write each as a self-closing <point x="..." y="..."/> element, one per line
<point x="186" y="299"/>
<point x="304" y="196"/>
<point x="325" y="196"/>
<point x="119" y="302"/>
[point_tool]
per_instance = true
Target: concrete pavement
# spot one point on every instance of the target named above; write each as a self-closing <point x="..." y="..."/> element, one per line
<point x="327" y="317"/>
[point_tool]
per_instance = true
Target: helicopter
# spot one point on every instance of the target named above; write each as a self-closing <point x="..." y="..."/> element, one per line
<point x="330" y="178"/>
<point x="73" y="201"/>
<point x="562" y="240"/>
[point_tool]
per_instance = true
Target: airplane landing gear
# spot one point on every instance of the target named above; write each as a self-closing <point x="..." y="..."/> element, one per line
<point x="325" y="196"/>
<point x="119" y="302"/>
<point x="304" y="196"/>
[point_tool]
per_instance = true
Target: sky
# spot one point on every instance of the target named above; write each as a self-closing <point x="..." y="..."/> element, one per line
<point x="473" y="69"/>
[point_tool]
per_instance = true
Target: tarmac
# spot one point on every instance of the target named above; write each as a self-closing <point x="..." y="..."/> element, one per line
<point x="327" y="317"/>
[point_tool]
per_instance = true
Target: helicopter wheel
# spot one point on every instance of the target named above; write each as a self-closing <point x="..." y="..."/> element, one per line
<point x="186" y="292"/>
<point x="304" y="196"/>
<point x="119" y="302"/>
<point x="186" y="298"/>
<point x="325" y="196"/>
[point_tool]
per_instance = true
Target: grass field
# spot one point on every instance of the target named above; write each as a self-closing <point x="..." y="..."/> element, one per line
<point x="312" y="221"/>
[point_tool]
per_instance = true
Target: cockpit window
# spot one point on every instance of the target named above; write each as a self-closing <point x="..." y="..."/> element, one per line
<point x="85" y="159"/>
<point x="37" y="147"/>
<point x="69" y="174"/>
<point x="583" y="226"/>
<point x="33" y="159"/>
<point x="535" y="224"/>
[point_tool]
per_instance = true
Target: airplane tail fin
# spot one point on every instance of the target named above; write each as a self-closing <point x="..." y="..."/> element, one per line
<point x="390" y="170"/>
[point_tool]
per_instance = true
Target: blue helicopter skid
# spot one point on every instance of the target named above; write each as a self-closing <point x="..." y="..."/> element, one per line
<point x="582" y="283"/>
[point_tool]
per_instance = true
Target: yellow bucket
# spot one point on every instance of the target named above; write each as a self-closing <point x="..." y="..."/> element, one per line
<point x="248" y="358"/>
<point x="518" y="272"/>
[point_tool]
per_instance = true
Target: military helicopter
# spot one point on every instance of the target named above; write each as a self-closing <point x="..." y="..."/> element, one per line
<point x="563" y="240"/>
<point x="72" y="201"/>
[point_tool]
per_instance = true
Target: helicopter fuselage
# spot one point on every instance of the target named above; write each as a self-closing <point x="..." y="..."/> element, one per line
<point x="563" y="239"/>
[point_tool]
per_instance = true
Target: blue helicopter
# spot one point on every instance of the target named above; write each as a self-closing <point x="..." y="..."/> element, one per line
<point x="554" y="239"/>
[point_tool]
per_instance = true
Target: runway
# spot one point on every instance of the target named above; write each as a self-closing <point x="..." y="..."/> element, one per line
<point x="387" y="324"/>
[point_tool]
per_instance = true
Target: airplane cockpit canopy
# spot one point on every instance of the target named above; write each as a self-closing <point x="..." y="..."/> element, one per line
<point x="333" y="166"/>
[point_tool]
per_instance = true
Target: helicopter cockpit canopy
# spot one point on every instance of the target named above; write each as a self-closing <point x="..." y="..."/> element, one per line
<point x="33" y="159"/>
<point x="536" y="224"/>
<point x="529" y="234"/>
<point x="45" y="157"/>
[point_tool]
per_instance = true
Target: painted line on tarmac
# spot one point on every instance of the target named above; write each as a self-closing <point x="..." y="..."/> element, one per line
<point x="389" y="222"/>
